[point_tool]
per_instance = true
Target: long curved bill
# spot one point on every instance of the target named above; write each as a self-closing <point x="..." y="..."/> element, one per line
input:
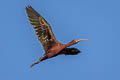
<point x="83" y="39"/>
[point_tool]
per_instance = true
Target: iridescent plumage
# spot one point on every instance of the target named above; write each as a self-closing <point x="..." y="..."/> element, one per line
<point x="44" y="32"/>
<point x="42" y="28"/>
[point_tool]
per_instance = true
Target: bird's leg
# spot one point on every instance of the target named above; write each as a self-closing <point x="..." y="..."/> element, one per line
<point x="37" y="62"/>
<point x="41" y="59"/>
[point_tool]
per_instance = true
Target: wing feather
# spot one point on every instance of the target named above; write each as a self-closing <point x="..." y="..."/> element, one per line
<point x="42" y="28"/>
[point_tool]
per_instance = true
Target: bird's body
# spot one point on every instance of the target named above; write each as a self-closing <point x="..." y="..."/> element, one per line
<point x="44" y="32"/>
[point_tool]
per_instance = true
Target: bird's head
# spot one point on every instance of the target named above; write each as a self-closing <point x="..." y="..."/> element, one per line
<point x="75" y="41"/>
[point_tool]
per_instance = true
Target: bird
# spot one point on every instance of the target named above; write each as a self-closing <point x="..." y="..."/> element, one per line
<point x="50" y="44"/>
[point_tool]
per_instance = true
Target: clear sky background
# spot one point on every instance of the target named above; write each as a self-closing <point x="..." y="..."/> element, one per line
<point x="97" y="20"/>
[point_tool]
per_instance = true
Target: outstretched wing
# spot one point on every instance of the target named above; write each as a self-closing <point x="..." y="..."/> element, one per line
<point x="42" y="28"/>
<point x="70" y="51"/>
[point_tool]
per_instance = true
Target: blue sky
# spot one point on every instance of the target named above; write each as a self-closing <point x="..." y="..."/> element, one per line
<point x="97" y="20"/>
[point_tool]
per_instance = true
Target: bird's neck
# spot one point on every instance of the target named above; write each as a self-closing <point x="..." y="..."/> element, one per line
<point x="69" y="44"/>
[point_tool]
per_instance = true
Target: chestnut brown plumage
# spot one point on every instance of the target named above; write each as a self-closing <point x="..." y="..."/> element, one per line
<point x="44" y="32"/>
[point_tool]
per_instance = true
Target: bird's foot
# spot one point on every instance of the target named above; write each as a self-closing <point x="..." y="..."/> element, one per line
<point x="35" y="63"/>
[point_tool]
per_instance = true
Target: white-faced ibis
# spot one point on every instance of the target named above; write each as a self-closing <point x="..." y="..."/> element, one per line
<point x="44" y="32"/>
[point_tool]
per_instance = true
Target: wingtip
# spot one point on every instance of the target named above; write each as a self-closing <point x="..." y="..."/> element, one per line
<point x="28" y="6"/>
